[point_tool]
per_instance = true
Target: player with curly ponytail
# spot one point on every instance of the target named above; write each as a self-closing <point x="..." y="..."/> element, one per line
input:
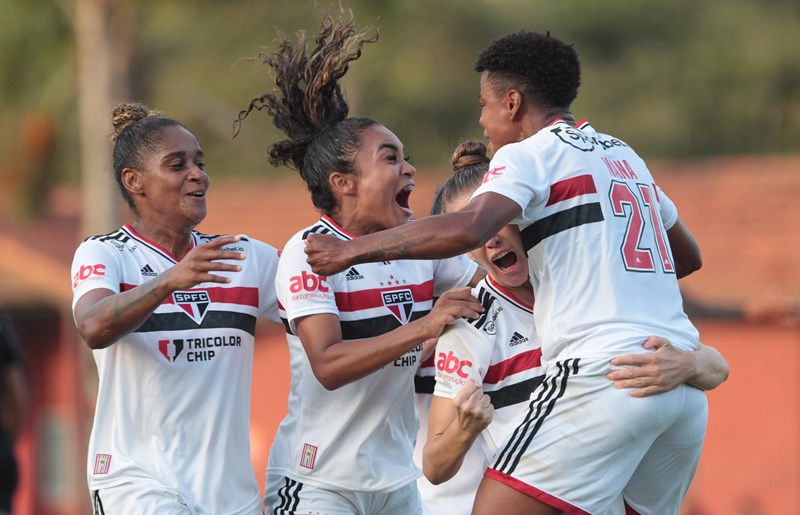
<point x="355" y="338"/>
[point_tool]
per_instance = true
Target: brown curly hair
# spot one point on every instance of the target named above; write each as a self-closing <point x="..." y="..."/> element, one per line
<point x="308" y="105"/>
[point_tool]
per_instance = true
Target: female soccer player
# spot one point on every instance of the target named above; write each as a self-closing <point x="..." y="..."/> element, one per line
<point x="355" y="337"/>
<point x="170" y="316"/>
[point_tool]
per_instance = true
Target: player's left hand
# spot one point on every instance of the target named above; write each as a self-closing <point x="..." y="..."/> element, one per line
<point x="654" y="372"/>
<point x="325" y="254"/>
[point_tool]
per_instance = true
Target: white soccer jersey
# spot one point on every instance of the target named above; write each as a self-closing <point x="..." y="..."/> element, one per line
<point x="173" y="403"/>
<point x="593" y="228"/>
<point x="360" y="436"/>
<point x="498" y="350"/>
<point x="455" y="496"/>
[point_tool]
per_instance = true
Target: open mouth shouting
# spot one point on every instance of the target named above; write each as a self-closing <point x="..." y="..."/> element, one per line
<point x="402" y="198"/>
<point x="505" y="260"/>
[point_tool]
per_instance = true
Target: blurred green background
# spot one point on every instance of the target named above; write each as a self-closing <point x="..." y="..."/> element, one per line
<point x="673" y="78"/>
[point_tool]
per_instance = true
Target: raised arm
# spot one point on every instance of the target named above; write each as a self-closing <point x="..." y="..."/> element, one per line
<point x="432" y="237"/>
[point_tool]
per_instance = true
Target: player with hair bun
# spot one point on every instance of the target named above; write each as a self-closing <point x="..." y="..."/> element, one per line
<point x="356" y="337"/>
<point x="170" y="316"/>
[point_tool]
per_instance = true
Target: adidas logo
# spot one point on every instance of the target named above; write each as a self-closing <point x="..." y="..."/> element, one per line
<point x="148" y="272"/>
<point x="353" y="275"/>
<point x="517" y="339"/>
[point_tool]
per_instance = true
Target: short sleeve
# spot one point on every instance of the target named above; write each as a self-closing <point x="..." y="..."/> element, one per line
<point x="300" y="291"/>
<point x="94" y="266"/>
<point x="669" y="212"/>
<point x="516" y="173"/>
<point x="462" y="353"/>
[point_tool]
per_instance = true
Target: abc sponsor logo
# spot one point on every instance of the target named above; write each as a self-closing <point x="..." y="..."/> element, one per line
<point x="308" y="282"/>
<point x="308" y="285"/>
<point x="88" y="272"/>
<point x="450" y="364"/>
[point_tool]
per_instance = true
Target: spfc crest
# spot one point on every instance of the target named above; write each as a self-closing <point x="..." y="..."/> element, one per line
<point x="400" y="303"/>
<point x="194" y="303"/>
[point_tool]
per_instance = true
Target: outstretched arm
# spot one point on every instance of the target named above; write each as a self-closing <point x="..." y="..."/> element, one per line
<point x="667" y="368"/>
<point x="432" y="237"/>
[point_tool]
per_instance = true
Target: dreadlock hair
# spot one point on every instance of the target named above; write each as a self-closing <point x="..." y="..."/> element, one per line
<point x="137" y="132"/>
<point x="308" y="105"/>
<point x="541" y="67"/>
<point x="469" y="164"/>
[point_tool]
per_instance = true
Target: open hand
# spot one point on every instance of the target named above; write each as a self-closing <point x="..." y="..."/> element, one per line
<point x="200" y="263"/>
<point x="653" y="372"/>
<point x="452" y="305"/>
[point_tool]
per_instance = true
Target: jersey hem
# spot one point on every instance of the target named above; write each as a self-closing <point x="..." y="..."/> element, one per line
<point x="340" y="486"/>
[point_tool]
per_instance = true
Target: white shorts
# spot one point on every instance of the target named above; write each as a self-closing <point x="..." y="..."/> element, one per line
<point x="584" y="443"/>
<point x="139" y="497"/>
<point x="284" y="496"/>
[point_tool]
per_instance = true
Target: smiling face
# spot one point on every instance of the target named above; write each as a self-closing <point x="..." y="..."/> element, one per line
<point x="171" y="187"/>
<point x="496" y="118"/>
<point x="503" y="256"/>
<point x="383" y="181"/>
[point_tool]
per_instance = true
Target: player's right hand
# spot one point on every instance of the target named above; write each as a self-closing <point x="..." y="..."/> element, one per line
<point x="452" y="305"/>
<point x="200" y="264"/>
<point x="475" y="410"/>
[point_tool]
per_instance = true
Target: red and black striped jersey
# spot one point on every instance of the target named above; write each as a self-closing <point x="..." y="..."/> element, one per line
<point x="593" y="223"/>
<point x="359" y="436"/>
<point x="173" y="402"/>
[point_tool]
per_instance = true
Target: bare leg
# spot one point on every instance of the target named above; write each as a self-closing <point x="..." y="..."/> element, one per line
<point x="493" y="495"/>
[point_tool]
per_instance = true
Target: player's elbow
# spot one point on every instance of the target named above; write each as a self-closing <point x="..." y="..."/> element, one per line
<point x="688" y="265"/>
<point x="436" y="468"/>
<point x="435" y="475"/>
<point x="328" y="378"/>
<point x="94" y="335"/>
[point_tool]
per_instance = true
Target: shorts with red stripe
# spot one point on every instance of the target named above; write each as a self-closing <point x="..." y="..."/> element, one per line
<point x="585" y="446"/>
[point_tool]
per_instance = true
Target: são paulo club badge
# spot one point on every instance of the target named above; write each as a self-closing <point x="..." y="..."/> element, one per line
<point x="194" y="303"/>
<point x="400" y="303"/>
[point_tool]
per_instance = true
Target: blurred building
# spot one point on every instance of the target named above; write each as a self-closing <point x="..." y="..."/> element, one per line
<point x="742" y="210"/>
